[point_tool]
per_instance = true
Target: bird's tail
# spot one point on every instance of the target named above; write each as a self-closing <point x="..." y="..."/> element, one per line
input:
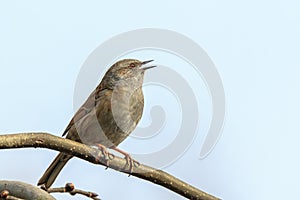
<point x="53" y="170"/>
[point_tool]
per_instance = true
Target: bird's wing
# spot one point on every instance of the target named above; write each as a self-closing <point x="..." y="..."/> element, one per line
<point x="87" y="107"/>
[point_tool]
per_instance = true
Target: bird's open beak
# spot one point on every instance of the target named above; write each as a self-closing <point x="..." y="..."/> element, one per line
<point x="147" y="67"/>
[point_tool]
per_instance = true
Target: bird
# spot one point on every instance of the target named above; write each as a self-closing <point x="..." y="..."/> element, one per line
<point x="108" y="116"/>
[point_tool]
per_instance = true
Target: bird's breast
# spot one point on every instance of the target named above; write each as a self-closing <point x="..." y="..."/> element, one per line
<point x="119" y="112"/>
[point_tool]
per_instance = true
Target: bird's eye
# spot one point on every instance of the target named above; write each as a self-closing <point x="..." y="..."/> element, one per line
<point x="132" y="65"/>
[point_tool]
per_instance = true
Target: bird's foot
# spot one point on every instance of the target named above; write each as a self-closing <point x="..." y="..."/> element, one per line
<point x="108" y="156"/>
<point x="131" y="163"/>
<point x="129" y="160"/>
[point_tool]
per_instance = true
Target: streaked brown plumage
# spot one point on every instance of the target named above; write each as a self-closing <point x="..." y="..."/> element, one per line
<point x="109" y="114"/>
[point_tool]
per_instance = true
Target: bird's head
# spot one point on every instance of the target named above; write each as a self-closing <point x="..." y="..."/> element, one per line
<point x="130" y="71"/>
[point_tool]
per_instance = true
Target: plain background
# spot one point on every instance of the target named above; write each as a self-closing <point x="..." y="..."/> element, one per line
<point x="254" y="45"/>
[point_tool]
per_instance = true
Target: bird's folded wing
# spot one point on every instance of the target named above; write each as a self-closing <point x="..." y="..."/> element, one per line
<point x="87" y="107"/>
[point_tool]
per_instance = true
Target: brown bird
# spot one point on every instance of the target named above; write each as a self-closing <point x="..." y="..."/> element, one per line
<point x="108" y="116"/>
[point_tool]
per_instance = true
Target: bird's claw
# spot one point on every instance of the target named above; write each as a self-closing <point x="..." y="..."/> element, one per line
<point x="104" y="152"/>
<point x="111" y="156"/>
<point x="129" y="160"/>
<point x="131" y="163"/>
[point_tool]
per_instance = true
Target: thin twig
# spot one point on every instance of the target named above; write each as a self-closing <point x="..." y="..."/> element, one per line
<point x="70" y="188"/>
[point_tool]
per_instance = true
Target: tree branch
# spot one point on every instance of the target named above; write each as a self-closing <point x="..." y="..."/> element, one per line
<point x="22" y="190"/>
<point x="46" y="140"/>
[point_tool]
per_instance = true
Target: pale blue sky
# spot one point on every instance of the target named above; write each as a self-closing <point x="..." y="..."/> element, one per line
<point x="254" y="45"/>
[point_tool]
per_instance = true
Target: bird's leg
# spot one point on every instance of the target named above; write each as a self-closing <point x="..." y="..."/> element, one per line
<point x="105" y="153"/>
<point x="129" y="160"/>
